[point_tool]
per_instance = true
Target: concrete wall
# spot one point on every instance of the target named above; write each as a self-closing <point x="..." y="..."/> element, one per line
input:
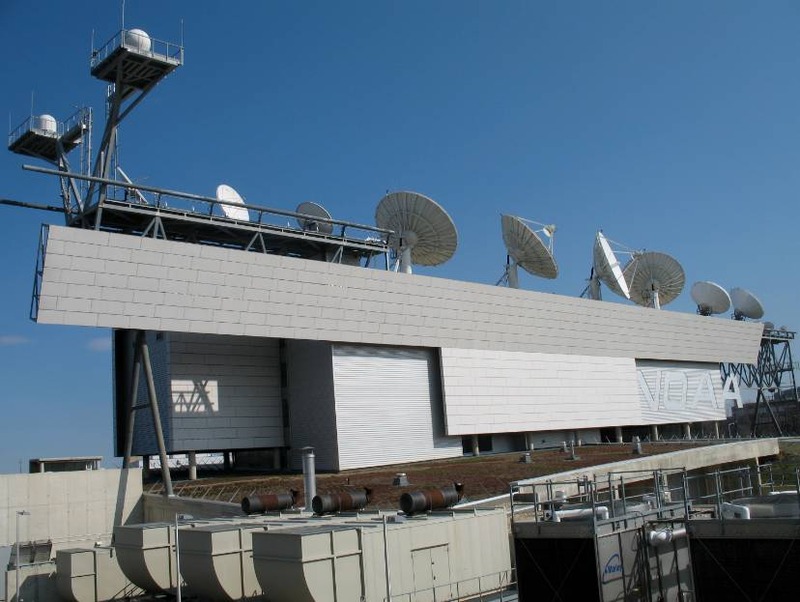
<point x="72" y="509"/>
<point x="69" y="507"/>
<point x="102" y="279"/>
<point x="159" y="508"/>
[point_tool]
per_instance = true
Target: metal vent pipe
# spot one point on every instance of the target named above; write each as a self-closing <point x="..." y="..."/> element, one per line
<point x="309" y="475"/>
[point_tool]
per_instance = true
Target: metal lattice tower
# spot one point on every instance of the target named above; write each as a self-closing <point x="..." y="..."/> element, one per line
<point x="772" y="373"/>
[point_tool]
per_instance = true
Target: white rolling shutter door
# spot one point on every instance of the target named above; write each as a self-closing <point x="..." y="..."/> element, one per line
<point x="388" y="407"/>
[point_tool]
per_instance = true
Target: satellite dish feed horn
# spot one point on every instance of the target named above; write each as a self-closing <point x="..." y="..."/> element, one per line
<point x="423" y="232"/>
<point x="746" y="305"/>
<point x="710" y="298"/>
<point x="527" y="250"/>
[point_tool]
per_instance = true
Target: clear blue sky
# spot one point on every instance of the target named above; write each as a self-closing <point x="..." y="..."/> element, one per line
<point x="674" y="126"/>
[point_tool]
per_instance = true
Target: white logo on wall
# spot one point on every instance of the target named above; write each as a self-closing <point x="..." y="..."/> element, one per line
<point x="675" y="389"/>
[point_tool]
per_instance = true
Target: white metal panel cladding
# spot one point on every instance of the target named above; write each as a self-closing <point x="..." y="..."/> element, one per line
<point x="225" y="392"/>
<point x="101" y="279"/>
<point x="502" y="392"/>
<point x="673" y="392"/>
<point x="388" y="406"/>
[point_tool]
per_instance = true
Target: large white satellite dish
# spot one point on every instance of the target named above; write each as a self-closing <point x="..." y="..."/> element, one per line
<point x="311" y="223"/>
<point x="710" y="297"/>
<point x="229" y="200"/>
<point x="655" y="279"/>
<point x="746" y="305"/>
<point x="527" y="250"/>
<point x="423" y="232"/>
<point x="607" y="268"/>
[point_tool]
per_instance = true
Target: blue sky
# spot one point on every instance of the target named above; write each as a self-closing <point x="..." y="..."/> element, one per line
<point x="673" y="126"/>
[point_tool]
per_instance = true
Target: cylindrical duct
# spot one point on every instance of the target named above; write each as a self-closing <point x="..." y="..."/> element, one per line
<point x="431" y="499"/>
<point x="341" y="502"/>
<point x="309" y="475"/>
<point x="268" y="502"/>
<point x="665" y="536"/>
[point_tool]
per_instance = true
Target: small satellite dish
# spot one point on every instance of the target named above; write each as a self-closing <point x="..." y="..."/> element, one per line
<point x="423" y="232"/>
<point x="606" y="267"/>
<point x="710" y="297"/>
<point x="230" y="199"/>
<point x="746" y="305"/>
<point x="526" y="249"/>
<point x="310" y="224"/>
<point x="137" y="39"/>
<point x="655" y="279"/>
<point x="769" y="326"/>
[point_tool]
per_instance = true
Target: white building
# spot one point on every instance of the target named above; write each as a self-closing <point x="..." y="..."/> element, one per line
<point x="256" y="351"/>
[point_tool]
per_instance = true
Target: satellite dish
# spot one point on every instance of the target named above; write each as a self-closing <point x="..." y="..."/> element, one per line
<point x="710" y="297"/>
<point x="746" y="305"/>
<point x="309" y="224"/>
<point x="770" y="326"/>
<point x="231" y="199"/>
<point x="526" y="249"/>
<point x="607" y="268"/>
<point x="655" y="279"/>
<point x="423" y="233"/>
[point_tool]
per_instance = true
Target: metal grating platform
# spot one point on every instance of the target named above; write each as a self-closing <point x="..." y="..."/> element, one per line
<point x="134" y="68"/>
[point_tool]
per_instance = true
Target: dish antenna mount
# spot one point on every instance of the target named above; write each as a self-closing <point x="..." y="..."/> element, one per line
<point x="527" y="250"/>
<point x="423" y="232"/>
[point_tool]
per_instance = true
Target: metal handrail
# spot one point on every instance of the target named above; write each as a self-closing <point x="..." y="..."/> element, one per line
<point x="160" y="49"/>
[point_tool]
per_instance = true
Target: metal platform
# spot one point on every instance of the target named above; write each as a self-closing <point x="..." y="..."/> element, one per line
<point x="30" y="139"/>
<point x="120" y="62"/>
<point x="204" y="227"/>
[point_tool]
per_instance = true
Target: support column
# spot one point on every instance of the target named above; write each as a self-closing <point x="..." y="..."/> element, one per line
<point x="618" y="433"/>
<point x="716" y="430"/>
<point x="529" y="444"/>
<point x="132" y="402"/>
<point x="151" y="391"/>
<point x="476" y="449"/>
<point x="654" y="432"/>
<point x="192" y="466"/>
<point x="687" y="430"/>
